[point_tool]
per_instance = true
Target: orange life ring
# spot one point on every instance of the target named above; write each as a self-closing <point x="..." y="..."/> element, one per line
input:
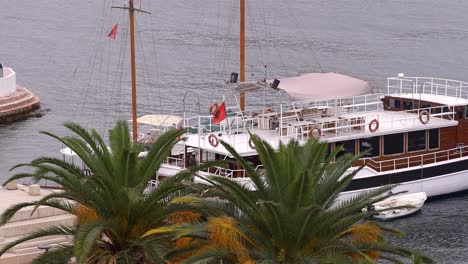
<point x="213" y="108"/>
<point x="315" y="135"/>
<point x="213" y="140"/>
<point x="268" y="110"/>
<point x="373" y="125"/>
<point x="424" y="113"/>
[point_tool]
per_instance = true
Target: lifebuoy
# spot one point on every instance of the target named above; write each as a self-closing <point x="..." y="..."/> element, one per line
<point x="213" y="108"/>
<point x="315" y="133"/>
<point x="424" y="113"/>
<point x="268" y="110"/>
<point x="213" y="140"/>
<point x="373" y="125"/>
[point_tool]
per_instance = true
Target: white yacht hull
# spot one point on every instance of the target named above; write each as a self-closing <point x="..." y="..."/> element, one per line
<point x="434" y="186"/>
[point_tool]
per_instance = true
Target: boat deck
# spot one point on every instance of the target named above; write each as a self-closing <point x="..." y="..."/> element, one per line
<point x="346" y="126"/>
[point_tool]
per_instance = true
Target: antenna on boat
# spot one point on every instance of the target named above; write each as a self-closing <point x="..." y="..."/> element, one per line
<point x="242" y="52"/>
<point x="131" y="9"/>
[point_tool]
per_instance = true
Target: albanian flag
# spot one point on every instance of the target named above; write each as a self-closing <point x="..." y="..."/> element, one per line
<point x="220" y="114"/>
<point x="113" y="32"/>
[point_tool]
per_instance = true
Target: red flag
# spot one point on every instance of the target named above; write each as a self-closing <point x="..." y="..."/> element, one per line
<point x="113" y="32"/>
<point x="220" y="114"/>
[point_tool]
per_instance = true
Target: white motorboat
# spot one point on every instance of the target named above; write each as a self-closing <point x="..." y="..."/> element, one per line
<point x="383" y="209"/>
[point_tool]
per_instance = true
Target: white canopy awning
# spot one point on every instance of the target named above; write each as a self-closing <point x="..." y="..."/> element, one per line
<point x="159" y="120"/>
<point x="329" y="85"/>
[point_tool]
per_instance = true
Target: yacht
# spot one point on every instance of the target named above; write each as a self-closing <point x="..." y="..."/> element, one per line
<point x="413" y="135"/>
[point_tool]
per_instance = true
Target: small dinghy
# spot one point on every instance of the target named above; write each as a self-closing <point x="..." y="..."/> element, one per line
<point x="415" y="200"/>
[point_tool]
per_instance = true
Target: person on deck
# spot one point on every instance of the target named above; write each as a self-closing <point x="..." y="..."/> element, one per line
<point x="149" y="141"/>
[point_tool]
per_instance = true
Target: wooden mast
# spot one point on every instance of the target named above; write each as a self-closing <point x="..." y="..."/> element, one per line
<point x="242" y="52"/>
<point x="132" y="58"/>
<point x="131" y="9"/>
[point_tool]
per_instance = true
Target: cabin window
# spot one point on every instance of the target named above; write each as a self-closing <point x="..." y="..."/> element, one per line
<point x="393" y="144"/>
<point x="407" y="105"/>
<point x="426" y="105"/>
<point x="434" y="139"/>
<point x="371" y="145"/>
<point x="416" y="140"/>
<point x="348" y="146"/>
<point x="392" y="103"/>
<point x="466" y="112"/>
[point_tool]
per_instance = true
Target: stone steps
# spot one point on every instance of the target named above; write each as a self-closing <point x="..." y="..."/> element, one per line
<point x="28" y="226"/>
<point x="19" y="94"/>
<point x="20" y="259"/>
<point x="17" y="103"/>
<point x="33" y="242"/>
<point x="42" y="211"/>
<point x="26" y="222"/>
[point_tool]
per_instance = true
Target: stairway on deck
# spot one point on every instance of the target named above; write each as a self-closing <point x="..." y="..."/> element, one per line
<point x="23" y="223"/>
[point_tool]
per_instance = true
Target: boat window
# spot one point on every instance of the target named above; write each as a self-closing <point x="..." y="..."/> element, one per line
<point x="426" y="105"/>
<point x="392" y="103"/>
<point x="434" y="138"/>
<point x="371" y="145"/>
<point x="407" y="105"/>
<point x="348" y="147"/>
<point x="466" y="112"/>
<point x="416" y="140"/>
<point x="393" y="144"/>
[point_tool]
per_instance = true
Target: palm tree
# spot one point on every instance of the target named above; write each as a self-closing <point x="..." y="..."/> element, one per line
<point x="113" y="206"/>
<point x="294" y="215"/>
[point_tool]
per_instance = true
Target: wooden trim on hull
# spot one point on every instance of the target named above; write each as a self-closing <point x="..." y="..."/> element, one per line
<point x="408" y="176"/>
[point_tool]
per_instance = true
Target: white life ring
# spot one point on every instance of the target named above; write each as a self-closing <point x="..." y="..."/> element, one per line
<point x="213" y="140"/>
<point x="424" y="113"/>
<point x="373" y="125"/>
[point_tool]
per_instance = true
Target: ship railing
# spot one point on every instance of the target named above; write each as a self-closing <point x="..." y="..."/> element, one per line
<point x="174" y="162"/>
<point x="234" y="123"/>
<point x="417" y="160"/>
<point x="329" y="127"/>
<point x="360" y="103"/>
<point x="232" y="173"/>
<point x="427" y="85"/>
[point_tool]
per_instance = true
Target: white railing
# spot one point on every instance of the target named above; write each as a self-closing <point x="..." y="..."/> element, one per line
<point x="8" y="82"/>
<point x="204" y="124"/>
<point x="228" y="173"/>
<point x="427" y="85"/>
<point x="342" y="125"/>
<point x="360" y="103"/>
<point x="174" y="162"/>
<point x="231" y="173"/>
<point x="417" y="160"/>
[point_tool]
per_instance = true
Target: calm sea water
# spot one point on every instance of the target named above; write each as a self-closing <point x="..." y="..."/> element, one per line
<point x="186" y="48"/>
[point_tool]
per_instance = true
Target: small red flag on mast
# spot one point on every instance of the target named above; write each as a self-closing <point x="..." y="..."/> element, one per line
<point x="220" y="114"/>
<point x="113" y="32"/>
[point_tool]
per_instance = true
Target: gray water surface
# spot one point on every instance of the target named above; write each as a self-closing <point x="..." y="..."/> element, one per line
<point x="59" y="50"/>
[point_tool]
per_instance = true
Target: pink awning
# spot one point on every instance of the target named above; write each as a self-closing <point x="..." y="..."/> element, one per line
<point x="323" y="86"/>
